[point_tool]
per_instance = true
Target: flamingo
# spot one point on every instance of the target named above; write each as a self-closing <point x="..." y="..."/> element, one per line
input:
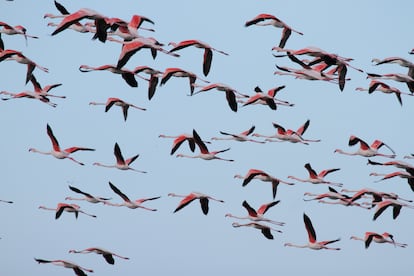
<point x="178" y="72"/>
<point x="129" y="30"/>
<point x="129" y="48"/>
<point x="268" y="19"/>
<point x="118" y="102"/>
<point x="266" y="230"/>
<point x="108" y="255"/>
<point x="399" y="164"/>
<point x="263" y="176"/>
<point x="376" y="85"/>
<point x="153" y="80"/>
<point x="401" y="174"/>
<point x="121" y="163"/>
<point x="331" y="194"/>
<point x="377" y="195"/>
<point x="230" y="93"/>
<point x="13" y="30"/>
<point x="187" y="199"/>
<point x="57" y="152"/>
<point x="289" y="135"/>
<point x="20" y="58"/>
<point x="395" y="204"/>
<point x="87" y="197"/>
<point x="204" y="152"/>
<point x="265" y="98"/>
<point x="127" y="75"/>
<point x="345" y="202"/>
<point x="79" y="271"/>
<point x="313" y="243"/>
<point x="270" y="93"/>
<point x="179" y="139"/>
<point x="241" y="137"/>
<point x="378" y="238"/>
<point x="127" y="202"/>
<point x="395" y="60"/>
<point x="85" y="13"/>
<point x="408" y="79"/>
<point x="317" y="178"/>
<point x="258" y="215"/>
<point x="65" y="207"/>
<point x="208" y="51"/>
<point x="366" y="150"/>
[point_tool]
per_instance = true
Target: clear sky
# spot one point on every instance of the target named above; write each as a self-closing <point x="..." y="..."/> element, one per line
<point x="189" y="242"/>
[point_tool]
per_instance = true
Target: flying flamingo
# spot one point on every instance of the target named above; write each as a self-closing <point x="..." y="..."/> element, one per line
<point x="187" y="199"/>
<point x="266" y="230"/>
<point x="313" y="243"/>
<point x="264" y="100"/>
<point x="57" y="152"/>
<point x="377" y="195"/>
<point x="129" y="48"/>
<point x="268" y="19"/>
<point x="204" y="152"/>
<point x="398" y="164"/>
<point x="121" y="163"/>
<point x="208" y="51"/>
<point x="258" y="215"/>
<point x="241" y="137"/>
<point x="376" y="85"/>
<point x="129" y="30"/>
<point x="179" y="139"/>
<point x="408" y="79"/>
<point x="180" y="73"/>
<point x="129" y="203"/>
<point x="13" y="30"/>
<point x="401" y="174"/>
<point x="346" y="202"/>
<point x="394" y="60"/>
<point x="65" y="207"/>
<point x="153" y="80"/>
<point x="365" y="149"/>
<point x="108" y="255"/>
<point x="79" y="271"/>
<point x="230" y="93"/>
<point x="289" y="135"/>
<point x="395" y="204"/>
<point x="118" y="102"/>
<point x="263" y="176"/>
<point x="378" y="238"/>
<point x="331" y="194"/>
<point x="127" y="75"/>
<point x="87" y="197"/>
<point x="20" y="58"/>
<point x="317" y="178"/>
<point x="260" y="96"/>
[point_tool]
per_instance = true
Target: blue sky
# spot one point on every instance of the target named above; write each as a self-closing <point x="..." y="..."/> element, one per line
<point x="166" y="242"/>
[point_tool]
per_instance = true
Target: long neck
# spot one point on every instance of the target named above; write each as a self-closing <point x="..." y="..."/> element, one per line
<point x="296" y="245"/>
<point x="47" y="208"/>
<point x="298" y="179"/>
<point x="73" y="198"/>
<point x="103" y="165"/>
<point x="357" y="238"/>
<point x="41" y="152"/>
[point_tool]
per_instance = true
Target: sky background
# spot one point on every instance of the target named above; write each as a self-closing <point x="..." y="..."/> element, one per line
<point x="189" y="242"/>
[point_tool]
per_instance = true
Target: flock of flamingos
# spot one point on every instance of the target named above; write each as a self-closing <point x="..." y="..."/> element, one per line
<point x="308" y="63"/>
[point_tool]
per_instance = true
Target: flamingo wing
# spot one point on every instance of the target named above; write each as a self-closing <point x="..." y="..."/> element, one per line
<point x="130" y="79"/>
<point x="312" y="172"/>
<point x="76" y="190"/>
<point x="204" y="205"/>
<point x="118" y="154"/>
<point x="185" y="201"/>
<point x="303" y="128"/>
<point x="263" y="209"/>
<point x="328" y="171"/>
<point x="108" y="258"/>
<point x="199" y="142"/>
<point x="267" y="233"/>
<point x="252" y="212"/>
<point x="231" y="100"/>
<point x="309" y="228"/>
<point x="52" y="137"/>
<point x="208" y="57"/>
<point x="118" y="192"/>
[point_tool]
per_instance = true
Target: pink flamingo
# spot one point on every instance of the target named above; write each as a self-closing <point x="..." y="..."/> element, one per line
<point x="408" y="79"/>
<point x="394" y="60"/>
<point x="118" y="102"/>
<point x="258" y="215"/>
<point x="268" y="19"/>
<point x="264" y="100"/>
<point x="401" y="174"/>
<point x="20" y="58"/>
<point x="395" y="204"/>
<point x="79" y="271"/>
<point x="65" y="207"/>
<point x="313" y="243"/>
<point x="179" y="139"/>
<point x="366" y="150"/>
<point x="331" y="194"/>
<point x="317" y="178"/>
<point x="121" y="163"/>
<point x="187" y="199"/>
<point x="263" y="176"/>
<point x="127" y="75"/>
<point x="129" y="30"/>
<point x="346" y="202"/>
<point x="230" y="93"/>
<point x="57" y="152"/>
<point x="378" y="238"/>
<point x="204" y="152"/>
<point x="398" y="164"/>
<point x="208" y="51"/>
<point x="10" y="30"/>
<point x="241" y="137"/>
<point x="180" y="73"/>
<point x="129" y="203"/>
<point x="266" y="230"/>
<point x="376" y="85"/>
<point x="87" y="197"/>
<point x="108" y="255"/>
<point x="129" y="48"/>
<point x="377" y="195"/>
